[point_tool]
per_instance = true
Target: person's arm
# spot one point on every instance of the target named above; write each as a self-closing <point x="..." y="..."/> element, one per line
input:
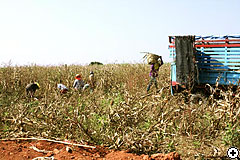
<point x="74" y="84"/>
<point x="161" y="61"/>
<point x="151" y="71"/>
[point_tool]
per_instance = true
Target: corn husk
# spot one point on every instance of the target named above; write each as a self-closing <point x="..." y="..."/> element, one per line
<point x="151" y="58"/>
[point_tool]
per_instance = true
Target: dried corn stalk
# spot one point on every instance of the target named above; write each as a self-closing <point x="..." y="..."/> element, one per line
<point x="151" y="58"/>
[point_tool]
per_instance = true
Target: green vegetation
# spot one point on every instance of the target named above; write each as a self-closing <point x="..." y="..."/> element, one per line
<point x="116" y="114"/>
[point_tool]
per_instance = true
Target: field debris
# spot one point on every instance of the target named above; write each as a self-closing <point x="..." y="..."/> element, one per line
<point x="38" y="150"/>
<point x="49" y="140"/>
<point x="43" y="158"/>
<point x="69" y="149"/>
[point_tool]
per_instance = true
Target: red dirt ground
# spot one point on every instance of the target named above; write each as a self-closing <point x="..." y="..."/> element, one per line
<point x="22" y="150"/>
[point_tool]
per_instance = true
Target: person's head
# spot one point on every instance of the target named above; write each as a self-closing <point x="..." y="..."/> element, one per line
<point x="37" y="84"/>
<point x="78" y="76"/>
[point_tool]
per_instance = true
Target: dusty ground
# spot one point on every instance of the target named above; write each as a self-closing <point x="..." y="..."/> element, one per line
<point x="31" y="149"/>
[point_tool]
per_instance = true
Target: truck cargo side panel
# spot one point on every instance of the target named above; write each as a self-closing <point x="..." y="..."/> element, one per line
<point x="184" y="60"/>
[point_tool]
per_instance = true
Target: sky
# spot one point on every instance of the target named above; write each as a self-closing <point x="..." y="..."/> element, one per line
<point x="56" y="32"/>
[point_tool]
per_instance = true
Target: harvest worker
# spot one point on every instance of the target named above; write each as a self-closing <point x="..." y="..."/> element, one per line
<point x="154" y="73"/>
<point x="91" y="80"/>
<point x="63" y="89"/>
<point x="79" y="83"/>
<point x="31" y="88"/>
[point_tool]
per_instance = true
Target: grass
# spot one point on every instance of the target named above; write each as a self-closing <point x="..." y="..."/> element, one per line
<point x="115" y="114"/>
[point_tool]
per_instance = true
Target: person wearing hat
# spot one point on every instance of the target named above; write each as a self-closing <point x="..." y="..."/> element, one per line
<point x="31" y="88"/>
<point x="154" y="74"/>
<point x="79" y="83"/>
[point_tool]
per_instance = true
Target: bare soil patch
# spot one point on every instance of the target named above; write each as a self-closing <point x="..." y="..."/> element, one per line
<point x="31" y="149"/>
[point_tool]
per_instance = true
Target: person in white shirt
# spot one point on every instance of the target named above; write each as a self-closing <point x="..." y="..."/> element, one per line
<point x="63" y="89"/>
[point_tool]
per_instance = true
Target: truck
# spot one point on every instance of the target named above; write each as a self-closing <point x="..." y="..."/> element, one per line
<point x="200" y="60"/>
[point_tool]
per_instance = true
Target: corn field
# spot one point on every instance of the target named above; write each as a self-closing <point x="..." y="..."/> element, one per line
<point x="118" y="113"/>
